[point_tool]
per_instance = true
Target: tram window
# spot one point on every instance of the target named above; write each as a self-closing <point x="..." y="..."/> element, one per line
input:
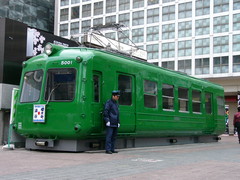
<point x="208" y="103"/>
<point x="168" y="96"/>
<point x="183" y="99"/>
<point x="60" y="84"/>
<point x="32" y="86"/>
<point x="150" y="94"/>
<point x="125" y="87"/>
<point x="221" y="106"/>
<point x="96" y="87"/>
<point x="196" y="101"/>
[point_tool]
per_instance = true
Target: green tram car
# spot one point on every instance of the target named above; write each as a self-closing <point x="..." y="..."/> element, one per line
<point x="63" y="91"/>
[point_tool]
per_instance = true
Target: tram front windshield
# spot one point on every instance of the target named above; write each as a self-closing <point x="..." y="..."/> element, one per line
<point x="32" y="86"/>
<point x="60" y="84"/>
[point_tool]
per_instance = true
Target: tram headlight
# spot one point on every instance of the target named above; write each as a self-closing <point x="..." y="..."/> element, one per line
<point x="48" y="49"/>
<point x="51" y="49"/>
<point x="24" y="64"/>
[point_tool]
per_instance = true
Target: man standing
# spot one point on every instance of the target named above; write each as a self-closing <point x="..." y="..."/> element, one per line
<point x="236" y="122"/>
<point x="111" y="118"/>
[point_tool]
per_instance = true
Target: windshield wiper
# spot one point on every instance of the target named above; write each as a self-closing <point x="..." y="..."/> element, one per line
<point x="53" y="89"/>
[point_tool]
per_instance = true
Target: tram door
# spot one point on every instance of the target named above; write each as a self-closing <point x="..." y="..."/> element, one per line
<point x="209" y="112"/>
<point x="97" y="104"/>
<point x="127" y="106"/>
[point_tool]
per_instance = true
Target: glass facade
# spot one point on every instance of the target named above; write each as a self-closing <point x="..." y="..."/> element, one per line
<point x="38" y="14"/>
<point x="202" y="46"/>
<point x="185" y="29"/>
<point x="152" y="33"/>
<point x="202" y="7"/>
<point x="198" y="37"/>
<point x="202" y="66"/>
<point x="202" y="27"/>
<point x="168" y="31"/>
<point x="220" y="65"/>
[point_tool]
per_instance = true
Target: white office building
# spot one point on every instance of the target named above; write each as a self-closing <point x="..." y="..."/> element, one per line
<point x="197" y="37"/>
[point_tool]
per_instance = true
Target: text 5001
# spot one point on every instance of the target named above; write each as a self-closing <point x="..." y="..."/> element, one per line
<point x="66" y="62"/>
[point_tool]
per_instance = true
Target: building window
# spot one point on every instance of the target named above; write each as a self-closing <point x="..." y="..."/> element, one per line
<point x="86" y="10"/>
<point x="202" y="7"/>
<point x="125" y="87"/>
<point x="98" y="21"/>
<point x="75" y="12"/>
<point x="75" y="28"/>
<point x="138" y="18"/>
<point x="110" y="20"/>
<point x="168" y="50"/>
<point x="153" y="33"/>
<point x="64" y="2"/>
<point x="236" y="63"/>
<point x="124" y="5"/>
<point x="202" y="27"/>
<point x="152" y="15"/>
<point x="168" y="65"/>
<point x="150" y="94"/>
<point x="166" y="1"/>
<point x="220" y="65"/>
<point x="236" y="4"/>
<point x="64" y="14"/>
<point x="153" y="51"/>
<point x="221" y="6"/>
<point x="202" y="66"/>
<point x="124" y="19"/>
<point x="98" y="8"/>
<point x="220" y="44"/>
<point x="196" y="101"/>
<point x="124" y="37"/>
<point x="185" y="29"/>
<point x="75" y="1"/>
<point x="168" y="31"/>
<point x="183" y="99"/>
<point x="221" y="106"/>
<point x="185" y="48"/>
<point x="138" y="3"/>
<point x="236" y="42"/>
<point x="152" y="2"/>
<point x="168" y="96"/>
<point x="220" y="24"/>
<point x="236" y="22"/>
<point x="185" y="10"/>
<point x="110" y="6"/>
<point x="168" y="13"/>
<point x="138" y="35"/>
<point x="86" y="25"/>
<point x="111" y="35"/>
<point x="63" y="29"/>
<point x="155" y="63"/>
<point x="185" y="66"/>
<point x="208" y="103"/>
<point x="202" y="46"/>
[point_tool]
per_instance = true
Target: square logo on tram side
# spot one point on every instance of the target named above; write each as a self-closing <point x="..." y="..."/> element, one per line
<point x="39" y="113"/>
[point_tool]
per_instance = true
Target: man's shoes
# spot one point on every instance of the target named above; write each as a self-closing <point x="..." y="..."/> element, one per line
<point x="114" y="151"/>
<point x="108" y="152"/>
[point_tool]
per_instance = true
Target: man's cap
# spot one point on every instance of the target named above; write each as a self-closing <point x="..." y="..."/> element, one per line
<point x="116" y="93"/>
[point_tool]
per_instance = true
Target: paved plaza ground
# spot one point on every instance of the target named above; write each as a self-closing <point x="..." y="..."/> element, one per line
<point x="203" y="161"/>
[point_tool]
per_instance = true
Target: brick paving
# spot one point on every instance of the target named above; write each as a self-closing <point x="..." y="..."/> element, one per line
<point x="176" y="162"/>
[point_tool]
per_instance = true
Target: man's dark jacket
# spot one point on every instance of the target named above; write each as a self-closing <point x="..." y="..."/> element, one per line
<point x="111" y="113"/>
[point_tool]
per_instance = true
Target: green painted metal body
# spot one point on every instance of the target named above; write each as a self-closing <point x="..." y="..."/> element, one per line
<point x="136" y="120"/>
